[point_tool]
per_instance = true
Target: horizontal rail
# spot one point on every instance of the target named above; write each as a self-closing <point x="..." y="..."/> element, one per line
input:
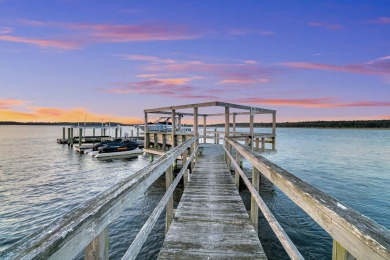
<point x="286" y="242"/>
<point x="67" y="237"/>
<point x="359" y="235"/>
<point x="140" y="239"/>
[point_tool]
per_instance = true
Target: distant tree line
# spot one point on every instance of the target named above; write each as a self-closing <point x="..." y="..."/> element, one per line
<point x="304" y="124"/>
<point x="322" y="124"/>
<point x="61" y="123"/>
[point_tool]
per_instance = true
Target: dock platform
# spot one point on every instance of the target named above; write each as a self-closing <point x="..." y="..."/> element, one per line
<point x="211" y="221"/>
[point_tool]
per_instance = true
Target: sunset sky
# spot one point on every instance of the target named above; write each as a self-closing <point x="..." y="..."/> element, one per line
<point x="309" y="60"/>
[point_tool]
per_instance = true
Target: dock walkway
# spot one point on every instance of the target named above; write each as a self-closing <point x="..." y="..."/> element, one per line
<point x="211" y="221"/>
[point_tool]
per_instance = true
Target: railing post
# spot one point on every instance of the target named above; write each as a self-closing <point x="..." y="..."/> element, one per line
<point x="192" y="149"/>
<point x="164" y="142"/>
<point x="71" y="137"/>
<point x="196" y="126"/>
<point x="169" y="206"/>
<point x="254" y="206"/>
<point x="80" y="136"/>
<point x="339" y="252"/>
<point x="185" y="176"/>
<point x="146" y="141"/>
<point x="262" y="144"/>
<point x="68" y="136"/>
<point x="204" y="129"/>
<point x="215" y="135"/>
<point x="228" y="161"/>
<point x="173" y="128"/>
<point x="97" y="249"/>
<point x="257" y="144"/>
<point x="63" y="133"/>
<point x="155" y="140"/>
<point x="236" y="174"/>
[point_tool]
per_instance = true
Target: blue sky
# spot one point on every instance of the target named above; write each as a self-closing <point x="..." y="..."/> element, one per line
<point x="309" y="60"/>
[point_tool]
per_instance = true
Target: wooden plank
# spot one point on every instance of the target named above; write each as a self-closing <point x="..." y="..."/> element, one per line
<point x="359" y="235"/>
<point x="207" y="104"/>
<point x="212" y="207"/>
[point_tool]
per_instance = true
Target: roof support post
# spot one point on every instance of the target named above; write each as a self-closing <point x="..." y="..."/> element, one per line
<point x="173" y="127"/>
<point x="196" y="125"/>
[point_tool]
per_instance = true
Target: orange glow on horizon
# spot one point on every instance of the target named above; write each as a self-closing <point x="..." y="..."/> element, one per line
<point x="44" y="114"/>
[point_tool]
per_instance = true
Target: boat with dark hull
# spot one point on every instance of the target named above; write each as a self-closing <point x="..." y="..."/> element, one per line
<point x="122" y="146"/>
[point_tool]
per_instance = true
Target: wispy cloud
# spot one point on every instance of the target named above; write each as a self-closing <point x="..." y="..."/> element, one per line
<point x="325" y="102"/>
<point x="381" y="20"/>
<point x="147" y="58"/>
<point x="379" y="66"/>
<point x="173" y="87"/>
<point x="329" y="26"/>
<point x="8" y="103"/>
<point x="243" y="32"/>
<point x="84" y="33"/>
<point x="248" y="72"/>
<point x="60" y="44"/>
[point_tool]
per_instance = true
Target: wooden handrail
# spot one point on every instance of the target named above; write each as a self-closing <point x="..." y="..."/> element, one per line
<point x="286" y="242"/>
<point x="67" y="237"/>
<point x="141" y="237"/>
<point x="359" y="235"/>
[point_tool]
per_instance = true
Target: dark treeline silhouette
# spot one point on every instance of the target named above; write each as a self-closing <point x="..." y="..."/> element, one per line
<point x="323" y="124"/>
<point x="305" y="124"/>
<point x="61" y="123"/>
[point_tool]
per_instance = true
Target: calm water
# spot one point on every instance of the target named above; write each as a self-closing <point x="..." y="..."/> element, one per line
<point x="41" y="180"/>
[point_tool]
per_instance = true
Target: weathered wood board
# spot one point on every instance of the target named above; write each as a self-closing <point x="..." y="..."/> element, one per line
<point x="211" y="221"/>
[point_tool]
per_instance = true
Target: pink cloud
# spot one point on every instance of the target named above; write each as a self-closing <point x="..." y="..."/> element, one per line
<point x="7" y="103"/>
<point x="227" y="72"/>
<point x="376" y="67"/>
<point x="162" y="87"/>
<point x="325" y="25"/>
<point x="382" y="20"/>
<point x="61" y="44"/>
<point x="326" y="102"/>
<point x="147" y="58"/>
<point x="94" y="33"/>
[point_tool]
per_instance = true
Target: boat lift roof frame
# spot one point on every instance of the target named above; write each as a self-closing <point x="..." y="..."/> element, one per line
<point x="164" y="110"/>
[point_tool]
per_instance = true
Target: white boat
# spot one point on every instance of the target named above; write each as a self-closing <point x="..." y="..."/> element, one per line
<point x="118" y="155"/>
<point x="163" y="125"/>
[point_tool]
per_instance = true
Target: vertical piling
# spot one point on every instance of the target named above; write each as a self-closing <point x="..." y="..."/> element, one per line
<point x="169" y="206"/>
<point x="196" y="125"/>
<point x="97" y="248"/>
<point x="80" y="136"/>
<point x="204" y="129"/>
<point x="254" y="207"/>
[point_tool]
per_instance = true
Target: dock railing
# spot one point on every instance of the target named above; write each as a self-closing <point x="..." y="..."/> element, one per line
<point x="86" y="227"/>
<point x="354" y="235"/>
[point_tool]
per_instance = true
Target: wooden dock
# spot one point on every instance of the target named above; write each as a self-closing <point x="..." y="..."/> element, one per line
<point x="211" y="221"/>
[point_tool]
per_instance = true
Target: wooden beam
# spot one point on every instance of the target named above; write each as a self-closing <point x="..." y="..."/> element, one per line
<point x="207" y="104"/>
<point x="234" y="122"/>
<point x="169" y="206"/>
<point x="274" y="123"/>
<point x="254" y="206"/>
<point x="251" y="120"/>
<point x="97" y="249"/>
<point x="196" y="125"/>
<point x="339" y="252"/>
<point x="146" y="141"/>
<point x="173" y="128"/>
<point x="204" y="129"/>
